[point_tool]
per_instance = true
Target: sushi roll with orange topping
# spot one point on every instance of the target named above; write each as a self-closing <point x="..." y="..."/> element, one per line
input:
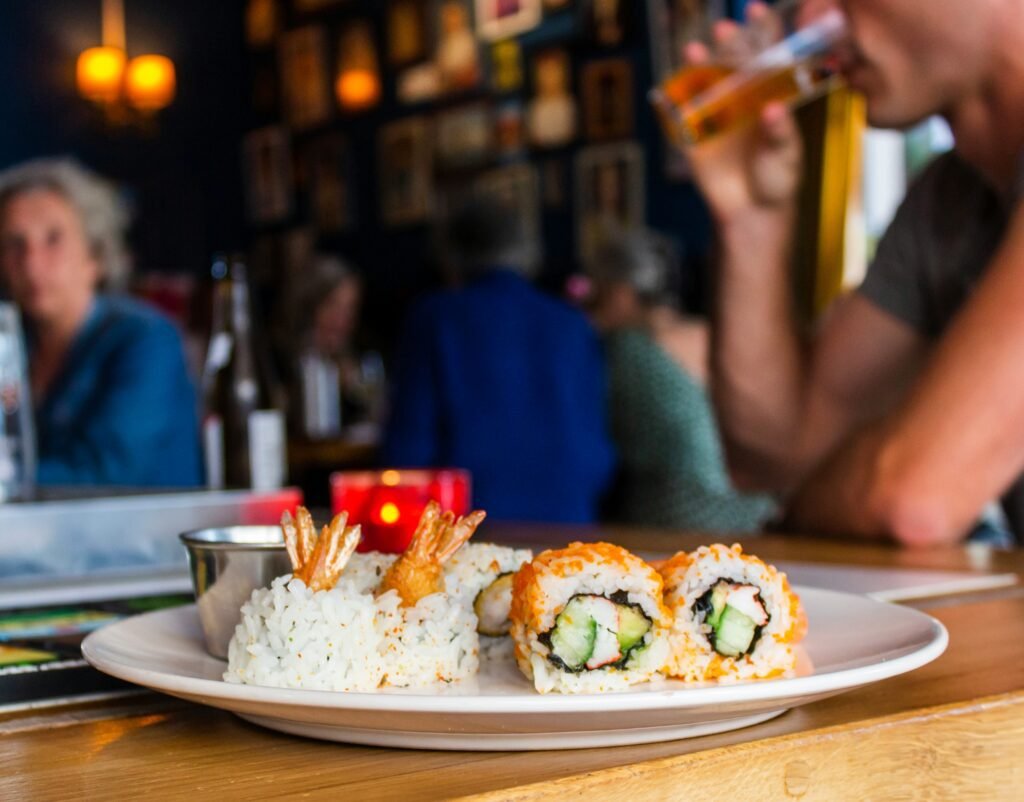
<point x="589" y="618"/>
<point x="734" y="617"/>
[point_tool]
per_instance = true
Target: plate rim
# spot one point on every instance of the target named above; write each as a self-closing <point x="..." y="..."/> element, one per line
<point x="530" y="702"/>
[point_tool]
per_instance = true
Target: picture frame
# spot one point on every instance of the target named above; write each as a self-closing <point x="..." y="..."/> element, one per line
<point x="327" y="165"/>
<point x="269" y="178"/>
<point x="262" y="22"/>
<point x="457" y="49"/>
<point x="464" y="136"/>
<point x="506" y="66"/>
<point x="610" y="22"/>
<point x="509" y="130"/>
<point x="405" y="171"/>
<point x="608" y="105"/>
<point x="673" y="23"/>
<point x="609" y="194"/>
<point x="502" y="19"/>
<point x="407" y="32"/>
<point x="305" y="81"/>
<point x="552" y="112"/>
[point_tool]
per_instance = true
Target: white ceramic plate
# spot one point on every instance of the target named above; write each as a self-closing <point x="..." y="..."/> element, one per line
<point x="852" y="641"/>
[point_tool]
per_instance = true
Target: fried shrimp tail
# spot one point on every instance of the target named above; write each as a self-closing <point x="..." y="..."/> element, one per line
<point x="418" y="572"/>
<point x="319" y="561"/>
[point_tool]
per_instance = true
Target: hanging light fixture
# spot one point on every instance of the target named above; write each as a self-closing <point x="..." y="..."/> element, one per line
<point x="105" y="76"/>
<point x="150" y="83"/>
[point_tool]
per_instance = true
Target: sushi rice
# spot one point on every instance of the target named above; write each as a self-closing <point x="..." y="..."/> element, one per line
<point x="688" y="577"/>
<point x="346" y="640"/>
<point x="544" y="588"/>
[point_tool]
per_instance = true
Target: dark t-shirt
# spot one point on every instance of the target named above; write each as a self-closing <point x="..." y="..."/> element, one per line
<point x="943" y="238"/>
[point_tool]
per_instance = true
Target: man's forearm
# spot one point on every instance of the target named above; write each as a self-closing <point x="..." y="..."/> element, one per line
<point x="955" y="444"/>
<point x="757" y="362"/>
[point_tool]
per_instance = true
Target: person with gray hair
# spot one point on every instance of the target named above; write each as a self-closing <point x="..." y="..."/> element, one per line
<point x="671" y="467"/>
<point x="498" y="378"/>
<point x="114" y="404"/>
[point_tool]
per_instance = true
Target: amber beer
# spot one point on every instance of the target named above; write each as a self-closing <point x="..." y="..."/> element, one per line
<point x="702" y="101"/>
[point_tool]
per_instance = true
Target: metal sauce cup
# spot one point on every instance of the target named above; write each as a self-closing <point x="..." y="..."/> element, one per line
<point x="227" y="564"/>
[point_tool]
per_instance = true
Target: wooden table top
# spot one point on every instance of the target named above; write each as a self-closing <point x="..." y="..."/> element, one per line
<point x="953" y="729"/>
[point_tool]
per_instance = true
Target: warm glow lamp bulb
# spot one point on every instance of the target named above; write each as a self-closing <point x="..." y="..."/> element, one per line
<point x="100" y="72"/>
<point x="357" y="89"/>
<point x="151" y="82"/>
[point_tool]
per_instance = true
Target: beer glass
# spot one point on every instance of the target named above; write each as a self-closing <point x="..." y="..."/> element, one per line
<point x="701" y="101"/>
<point x="17" y="433"/>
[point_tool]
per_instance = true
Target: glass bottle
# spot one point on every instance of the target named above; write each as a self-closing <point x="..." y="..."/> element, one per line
<point x="243" y="427"/>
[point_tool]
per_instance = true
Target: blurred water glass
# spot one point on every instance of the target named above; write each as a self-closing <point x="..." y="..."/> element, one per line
<point x="17" y="435"/>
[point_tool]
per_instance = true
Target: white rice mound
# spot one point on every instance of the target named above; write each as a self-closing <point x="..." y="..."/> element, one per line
<point x="435" y="641"/>
<point x="543" y="588"/>
<point x="344" y="639"/>
<point x="292" y="637"/>
<point x="688" y="577"/>
<point x="365" y="570"/>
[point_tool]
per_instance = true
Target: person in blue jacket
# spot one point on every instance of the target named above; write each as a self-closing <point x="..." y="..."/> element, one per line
<point x="496" y="377"/>
<point x="113" y="399"/>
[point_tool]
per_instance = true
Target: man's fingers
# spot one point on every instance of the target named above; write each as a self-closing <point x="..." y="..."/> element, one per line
<point x="764" y="26"/>
<point x="778" y="128"/>
<point x="696" y="53"/>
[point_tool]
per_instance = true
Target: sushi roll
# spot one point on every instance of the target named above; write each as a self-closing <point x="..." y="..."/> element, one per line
<point x="479" y="575"/>
<point x="589" y="618"/>
<point x="734" y="617"/>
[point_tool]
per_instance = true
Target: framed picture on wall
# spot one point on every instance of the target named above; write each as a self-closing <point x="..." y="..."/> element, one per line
<point x="261" y="23"/>
<point x="458" y="51"/>
<point x="610" y="21"/>
<point x="327" y="165"/>
<point x="269" y="182"/>
<point x="551" y="114"/>
<point x="506" y="66"/>
<point x="305" y="77"/>
<point x="408" y="24"/>
<point x="405" y="172"/>
<point x="673" y="23"/>
<point x="509" y="130"/>
<point x="464" y="136"/>
<point x="501" y="19"/>
<point x="609" y="194"/>
<point x="608" y="99"/>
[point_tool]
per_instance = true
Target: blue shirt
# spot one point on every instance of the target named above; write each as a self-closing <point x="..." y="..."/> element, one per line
<point x="509" y="383"/>
<point x="122" y="411"/>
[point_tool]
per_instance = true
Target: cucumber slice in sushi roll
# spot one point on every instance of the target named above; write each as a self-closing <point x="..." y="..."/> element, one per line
<point x="589" y="618"/>
<point x="735" y="617"/>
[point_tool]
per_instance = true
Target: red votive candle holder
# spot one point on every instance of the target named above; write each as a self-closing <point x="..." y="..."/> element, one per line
<point x="388" y="504"/>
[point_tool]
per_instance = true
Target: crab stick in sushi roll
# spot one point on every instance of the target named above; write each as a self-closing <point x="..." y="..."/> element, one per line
<point x="588" y="618"/>
<point x="734" y="616"/>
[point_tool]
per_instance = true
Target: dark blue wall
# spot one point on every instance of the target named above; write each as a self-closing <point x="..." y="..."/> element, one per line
<point x="184" y="177"/>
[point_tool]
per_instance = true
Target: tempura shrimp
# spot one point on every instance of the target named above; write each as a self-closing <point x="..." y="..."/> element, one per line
<point x="319" y="561"/>
<point x="418" y="571"/>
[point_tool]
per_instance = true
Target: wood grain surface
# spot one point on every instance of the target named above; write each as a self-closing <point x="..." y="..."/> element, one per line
<point x="951" y="730"/>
